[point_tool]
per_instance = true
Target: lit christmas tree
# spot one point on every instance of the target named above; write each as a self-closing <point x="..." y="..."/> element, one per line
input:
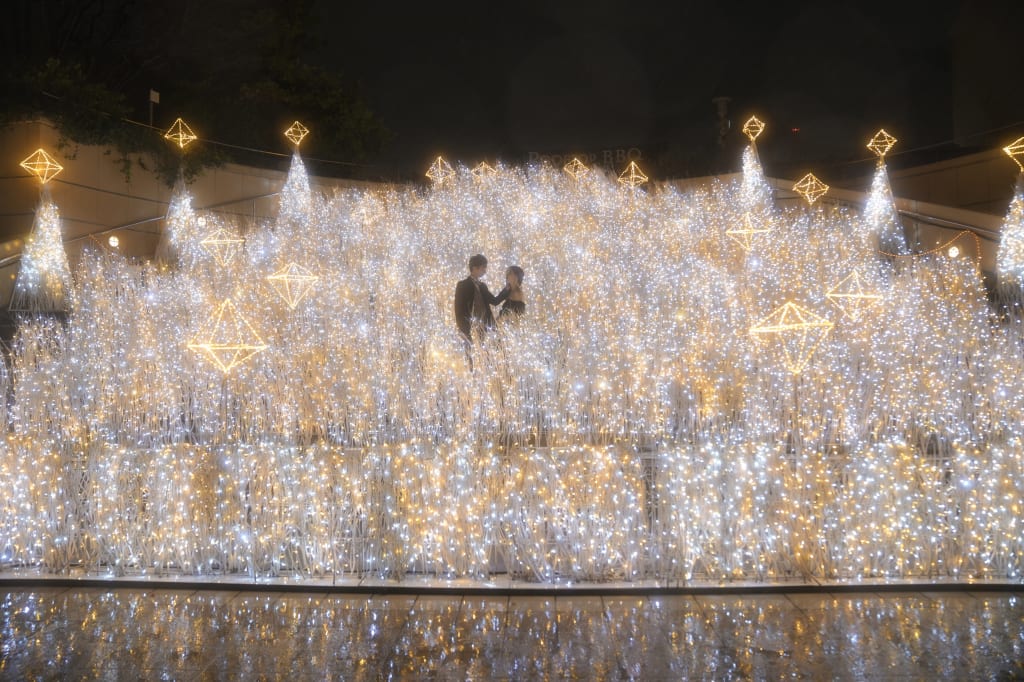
<point x="1010" y="260"/>
<point x="44" y="278"/>
<point x="881" y="219"/>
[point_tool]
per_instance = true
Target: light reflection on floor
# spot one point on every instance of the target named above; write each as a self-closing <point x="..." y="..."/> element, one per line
<point x="98" y="633"/>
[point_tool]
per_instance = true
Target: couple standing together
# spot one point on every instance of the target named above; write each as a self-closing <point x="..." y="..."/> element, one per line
<point x="473" y="300"/>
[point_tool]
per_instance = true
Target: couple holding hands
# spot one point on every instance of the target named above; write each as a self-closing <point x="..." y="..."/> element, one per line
<point x="473" y="300"/>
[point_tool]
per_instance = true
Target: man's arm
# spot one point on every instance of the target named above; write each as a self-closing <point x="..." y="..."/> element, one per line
<point x="490" y="298"/>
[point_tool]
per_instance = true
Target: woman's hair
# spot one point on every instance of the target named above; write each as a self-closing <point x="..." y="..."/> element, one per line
<point x="517" y="271"/>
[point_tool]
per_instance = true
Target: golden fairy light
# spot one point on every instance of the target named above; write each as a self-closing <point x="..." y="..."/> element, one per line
<point x="1015" y="150"/>
<point x="227" y="338"/>
<point x="440" y="172"/>
<point x="810" y="188"/>
<point x="797" y="330"/>
<point x="753" y="128"/>
<point x="292" y="283"/>
<point x="42" y="165"/>
<point x="744" y="236"/>
<point x="632" y="176"/>
<point x="483" y="170"/>
<point x="222" y="245"/>
<point x="576" y="168"/>
<point x="852" y="297"/>
<point x="881" y="143"/>
<point x="296" y="132"/>
<point x="180" y="134"/>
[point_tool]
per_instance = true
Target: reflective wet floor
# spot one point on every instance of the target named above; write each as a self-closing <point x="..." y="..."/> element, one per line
<point x="125" y="634"/>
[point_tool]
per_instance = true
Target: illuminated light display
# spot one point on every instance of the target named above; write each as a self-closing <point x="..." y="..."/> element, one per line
<point x="180" y="134"/>
<point x="440" y="172"/>
<point x="753" y="128"/>
<point x="1015" y="150"/>
<point x="881" y="143"/>
<point x="797" y="331"/>
<point x="744" y="236"/>
<point x="852" y="297"/>
<point x="883" y="228"/>
<point x="483" y="170"/>
<point x="292" y="283"/>
<point x="227" y="338"/>
<point x="576" y="168"/>
<point x="640" y="422"/>
<point x="42" y="165"/>
<point x="43" y="283"/>
<point x="1010" y="257"/>
<point x="632" y="177"/>
<point x="296" y="132"/>
<point x="222" y="245"/>
<point x="810" y="188"/>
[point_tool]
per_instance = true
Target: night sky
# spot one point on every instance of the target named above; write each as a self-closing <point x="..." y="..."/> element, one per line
<point x="508" y="81"/>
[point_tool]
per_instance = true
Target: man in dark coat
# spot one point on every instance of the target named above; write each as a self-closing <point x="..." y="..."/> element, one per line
<point x="473" y="300"/>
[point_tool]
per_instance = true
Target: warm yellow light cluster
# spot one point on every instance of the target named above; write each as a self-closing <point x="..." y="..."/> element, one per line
<point x="881" y="143"/>
<point x="744" y="236"/>
<point x="440" y="172"/>
<point x="180" y="134"/>
<point x="852" y="297"/>
<point x="753" y="128"/>
<point x="576" y="168"/>
<point x="632" y="176"/>
<point x="42" y="165"/>
<point x="292" y="282"/>
<point x="810" y="188"/>
<point x="797" y="331"/>
<point x="482" y="171"/>
<point x="227" y="338"/>
<point x="1015" y="150"/>
<point x="296" y="132"/>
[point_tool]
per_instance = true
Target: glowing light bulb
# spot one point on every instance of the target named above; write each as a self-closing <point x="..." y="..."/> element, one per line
<point x="113" y="241"/>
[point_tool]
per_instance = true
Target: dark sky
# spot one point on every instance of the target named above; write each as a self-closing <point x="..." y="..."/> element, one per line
<point x="485" y="81"/>
<point x="493" y="80"/>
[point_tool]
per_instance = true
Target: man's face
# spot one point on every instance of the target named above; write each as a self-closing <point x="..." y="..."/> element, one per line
<point x="478" y="271"/>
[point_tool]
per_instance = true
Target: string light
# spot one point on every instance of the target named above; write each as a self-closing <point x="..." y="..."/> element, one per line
<point x="180" y="134"/>
<point x="1015" y="150"/>
<point x="753" y="128"/>
<point x="292" y="283"/>
<point x="42" y="165"/>
<point x="227" y="338"/>
<point x="632" y="177"/>
<point x="482" y="171"/>
<point x="222" y="245"/>
<point x="296" y="132"/>
<point x="1010" y="257"/>
<point x="745" y="236"/>
<point x="852" y="297"/>
<point x="798" y="331"/>
<point x="881" y="143"/>
<point x="440" y="172"/>
<point x="576" y="168"/>
<point x="43" y="283"/>
<point x="810" y="188"/>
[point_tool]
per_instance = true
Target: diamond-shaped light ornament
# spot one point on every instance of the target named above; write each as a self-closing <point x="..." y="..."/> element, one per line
<point x="810" y="188"/>
<point x="227" y="338"/>
<point x="440" y="171"/>
<point x="632" y="176"/>
<point x="798" y="331"/>
<point x="881" y="143"/>
<point x="1015" y="150"/>
<point x="180" y="134"/>
<point x="576" y="168"/>
<point x="744" y="236"/>
<point x="753" y="127"/>
<point x="482" y="171"/>
<point x="851" y="296"/>
<point x="222" y="245"/>
<point x="42" y="165"/>
<point x="292" y="283"/>
<point x="296" y="133"/>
